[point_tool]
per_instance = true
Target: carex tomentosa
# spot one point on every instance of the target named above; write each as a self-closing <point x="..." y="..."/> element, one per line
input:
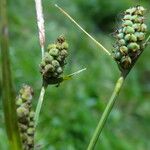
<point x="130" y="37"/>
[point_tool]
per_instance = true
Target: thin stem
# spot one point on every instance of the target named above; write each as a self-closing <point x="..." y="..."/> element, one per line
<point x="8" y="97"/>
<point x="105" y="114"/>
<point x="40" y="23"/>
<point x="41" y="28"/>
<point x="39" y="105"/>
<point x="92" y="38"/>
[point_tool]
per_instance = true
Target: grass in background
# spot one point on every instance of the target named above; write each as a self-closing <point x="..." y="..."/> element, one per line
<point x="71" y="112"/>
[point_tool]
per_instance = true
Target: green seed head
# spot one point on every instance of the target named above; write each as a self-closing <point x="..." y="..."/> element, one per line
<point x="130" y="37"/>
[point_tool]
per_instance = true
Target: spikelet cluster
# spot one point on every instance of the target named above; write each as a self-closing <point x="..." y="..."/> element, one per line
<point x="130" y="37"/>
<point x="25" y="117"/>
<point x="54" y="60"/>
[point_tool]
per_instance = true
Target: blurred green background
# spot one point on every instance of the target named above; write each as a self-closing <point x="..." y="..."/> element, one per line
<point x="71" y="112"/>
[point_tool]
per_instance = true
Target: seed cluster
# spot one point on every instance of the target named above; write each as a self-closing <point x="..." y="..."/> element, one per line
<point x="26" y="117"/>
<point x="54" y="61"/>
<point x="130" y="37"/>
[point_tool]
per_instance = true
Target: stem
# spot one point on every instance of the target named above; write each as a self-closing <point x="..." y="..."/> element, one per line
<point x="39" y="105"/>
<point x="8" y="97"/>
<point x="40" y="23"/>
<point x="41" y="28"/>
<point x="92" y="38"/>
<point x="105" y="114"/>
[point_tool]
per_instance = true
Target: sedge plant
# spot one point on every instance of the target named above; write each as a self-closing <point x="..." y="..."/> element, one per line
<point x="130" y="44"/>
<point x="20" y="118"/>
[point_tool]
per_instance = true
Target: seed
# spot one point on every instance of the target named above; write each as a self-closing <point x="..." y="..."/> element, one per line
<point x="64" y="53"/>
<point x="59" y="70"/>
<point x="54" y="52"/>
<point x="127" y="17"/>
<point x="126" y="62"/>
<point x="30" y="140"/>
<point x="59" y="46"/>
<point x="140" y="36"/>
<point x="30" y="131"/>
<point x="137" y="26"/>
<point x="19" y="102"/>
<point x="64" y="45"/>
<point x="49" y="68"/>
<point x="131" y="37"/>
<point x="121" y="42"/>
<point x="31" y="123"/>
<point x="48" y="58"/>
<point x="134" y="47"/>
<point x="130" y="10"/>
<point x="117" y="55"/>
<point x="128" y="30"/>
<point x="21" y="112"/>
<point x="140" y="10"/>
<point x="55" y="63"/>
<point x="55" y="75"/>
<point x="143" y="28"/>
<point x="127" y="23"/>
<point x="42" y="65"/>
<point x="51" y="46"/>
<point x="123" y="49"/>
<point x="32" y="113"/>
<point x="120" y="36"/>
<point x="137" y="19"/>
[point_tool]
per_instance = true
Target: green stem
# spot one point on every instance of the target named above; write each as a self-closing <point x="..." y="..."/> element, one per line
<point x="7" y="92"/>
<point x="39" y="105"/>
<point x="105" y="114"/>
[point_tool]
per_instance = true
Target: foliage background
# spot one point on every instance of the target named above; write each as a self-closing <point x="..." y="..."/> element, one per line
<point x="70" y="113"/>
